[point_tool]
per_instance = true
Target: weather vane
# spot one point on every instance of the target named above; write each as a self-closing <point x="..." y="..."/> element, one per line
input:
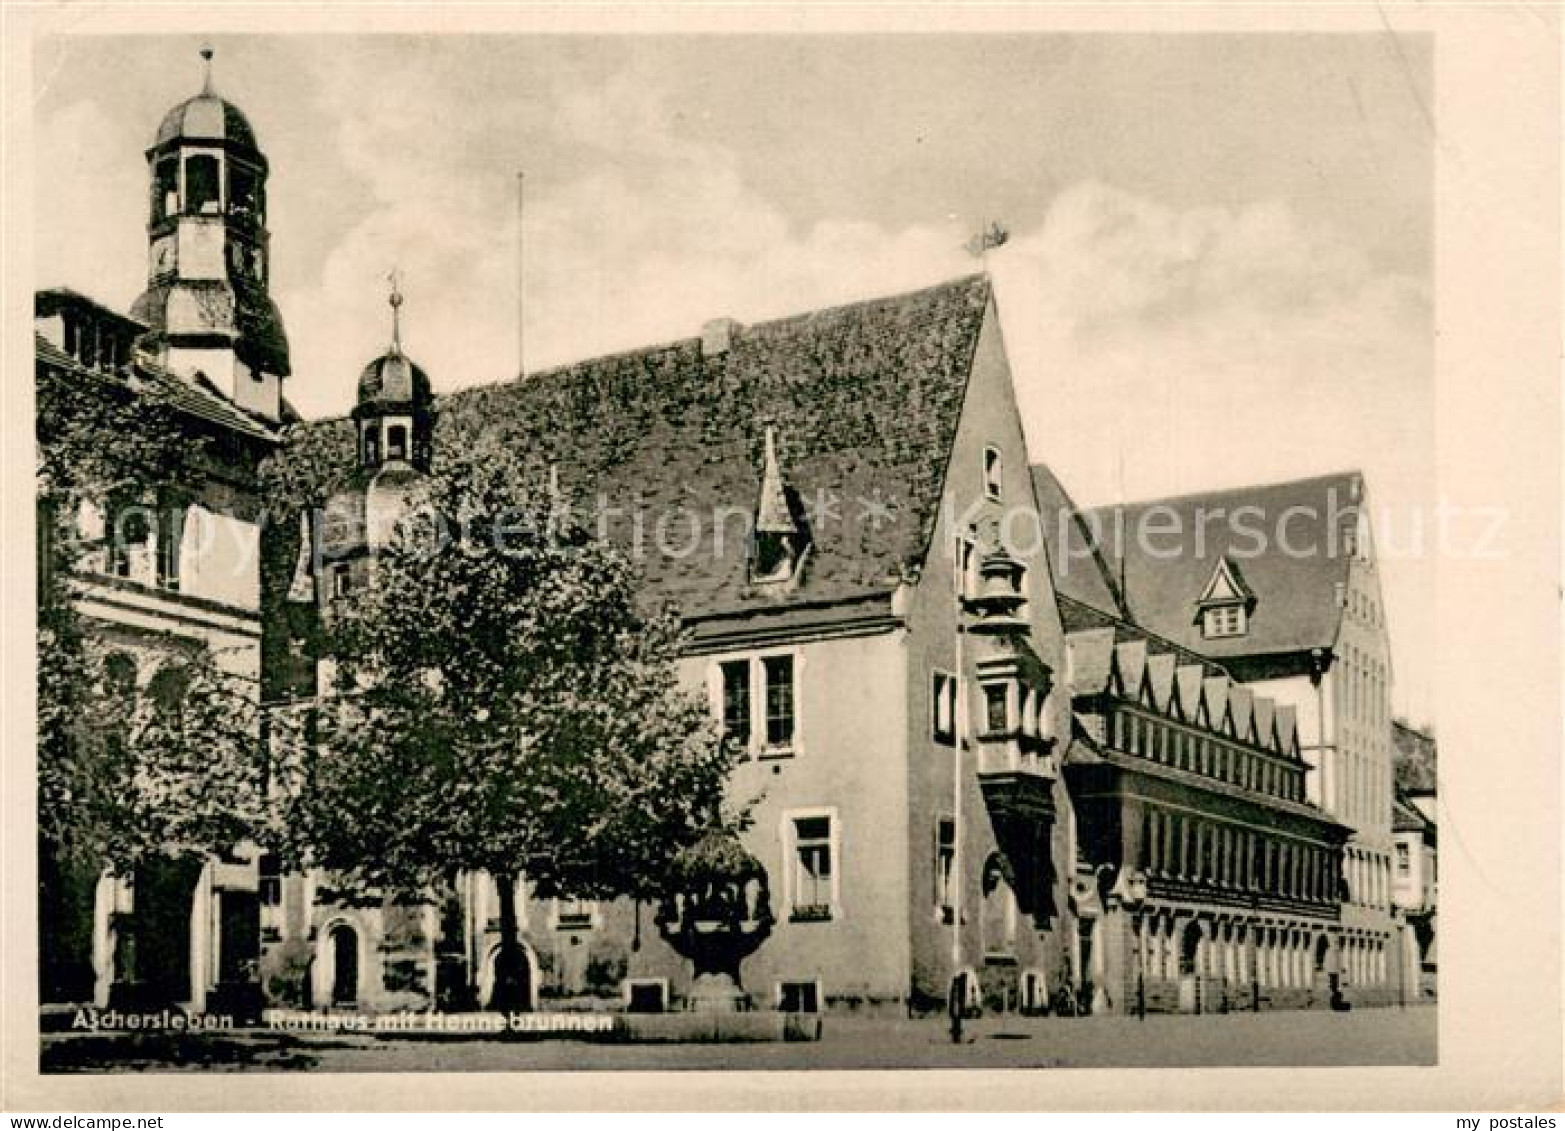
<point x="988" y="239"/>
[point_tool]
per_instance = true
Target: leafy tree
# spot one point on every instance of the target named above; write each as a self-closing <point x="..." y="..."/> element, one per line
<point x="170" y="770"/>
<point x="504" y="702"/>
<point x="124" y="775"/>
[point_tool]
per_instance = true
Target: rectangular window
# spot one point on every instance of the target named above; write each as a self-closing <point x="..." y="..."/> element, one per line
<point x="573" y="914"/>
<point x="799" y="997"/>
<point x="996" y="709"/>
<point x="993" y="474"/>
<point x="812" y="890"/>
<point x="165" y="189"/>
<point x="966" y="553"/>
<point x="779" y="700"/>
<point x="736" y="700"/>
<point x="646" y="995"/>
<point x="1404" y="860"/>
<point x="341" y="580"/>
<point x="201" y="184"/>
<point x="169" y="530"/>
<point x="270" y="890"/>
<point x="1224" y="620"/>
<point x="945" y="864"/>
<point x="943" y="708"/>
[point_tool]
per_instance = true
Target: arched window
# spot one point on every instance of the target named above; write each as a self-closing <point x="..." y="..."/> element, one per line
<point x="168" y="689"/>
<point x="165" y="188"/>
<point x="203" y="192"/>
<point x="119" y="674"/>
<point x="397" y="442"/>
<point x="244" y="192"/>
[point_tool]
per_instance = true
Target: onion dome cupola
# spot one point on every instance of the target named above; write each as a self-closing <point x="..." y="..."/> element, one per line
<point x="395" y="409"/>
<point x="207" y="302"/>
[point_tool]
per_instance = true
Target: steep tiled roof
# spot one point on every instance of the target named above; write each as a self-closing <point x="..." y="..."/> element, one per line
<point x="1080" y="570"/>
<point x="199" y="400"/>
<point x="865" y="401"/>
<point x="1295" y="584"/>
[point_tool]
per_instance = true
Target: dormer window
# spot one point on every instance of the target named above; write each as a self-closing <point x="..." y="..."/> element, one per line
<point x="1224" y="608"/>
<point x="992" y="474"/>
<point x="1223" y="620"/>
<point x="782" y="538"/>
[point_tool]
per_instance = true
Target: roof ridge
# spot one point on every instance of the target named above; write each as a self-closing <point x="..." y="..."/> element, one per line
<point x="672" y="344"/>
<point x="874" y="300"/>
<point x="209" y="400"/>
<point x="1239" y="489"/>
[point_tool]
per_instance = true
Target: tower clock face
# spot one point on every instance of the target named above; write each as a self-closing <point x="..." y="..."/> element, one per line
<point x="163" y="255"/>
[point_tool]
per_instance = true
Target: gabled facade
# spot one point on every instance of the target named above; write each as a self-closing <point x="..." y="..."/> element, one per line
<point x="858" y="624"/>
<point x="1292" y="568"/>
<point x="1207" y="881"/>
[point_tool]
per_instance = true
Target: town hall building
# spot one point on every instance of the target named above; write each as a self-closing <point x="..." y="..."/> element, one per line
<point x="967" y="760"/>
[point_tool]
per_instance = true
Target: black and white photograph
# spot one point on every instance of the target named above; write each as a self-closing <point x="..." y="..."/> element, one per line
<point x="566" y="552"/>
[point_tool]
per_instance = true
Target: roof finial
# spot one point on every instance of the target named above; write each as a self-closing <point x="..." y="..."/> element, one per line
<point x="773" y="515"/>
<point x="395" y="300"/>
<point x="206" y="81"/>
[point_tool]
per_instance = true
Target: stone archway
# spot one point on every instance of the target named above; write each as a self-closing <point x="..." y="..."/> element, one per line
<point x="486" y="977"/>
<point x="339" y="966"/>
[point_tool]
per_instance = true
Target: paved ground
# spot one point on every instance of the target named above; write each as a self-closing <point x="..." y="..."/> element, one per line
<point x="1380" y="1036"/>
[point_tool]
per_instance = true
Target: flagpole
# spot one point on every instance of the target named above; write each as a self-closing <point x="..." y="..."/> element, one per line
<point x="959" y="727"/>
<point x="992" y="236"/>
<point x="521" y="276"/>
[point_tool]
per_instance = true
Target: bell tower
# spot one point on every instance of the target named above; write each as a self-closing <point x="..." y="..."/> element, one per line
<point x="207" y="301"/>
<point x="394" y="411"/>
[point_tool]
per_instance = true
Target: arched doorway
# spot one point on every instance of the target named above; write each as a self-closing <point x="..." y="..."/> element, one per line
<point x="344" y="965"/>
<point x="529" y="972"/>
<point x="1190" y="968"/>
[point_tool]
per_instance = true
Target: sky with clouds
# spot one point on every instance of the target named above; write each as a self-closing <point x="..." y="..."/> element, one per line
<point x="1220" y="268"/>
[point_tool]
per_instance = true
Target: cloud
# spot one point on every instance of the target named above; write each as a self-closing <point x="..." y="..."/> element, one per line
<point x="1159" y="350"/>
<point x="644" y="239"/>
<point x="1155" y="348"/>
<point x="90" y="193"/>
<point x="1229" y="344"/>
